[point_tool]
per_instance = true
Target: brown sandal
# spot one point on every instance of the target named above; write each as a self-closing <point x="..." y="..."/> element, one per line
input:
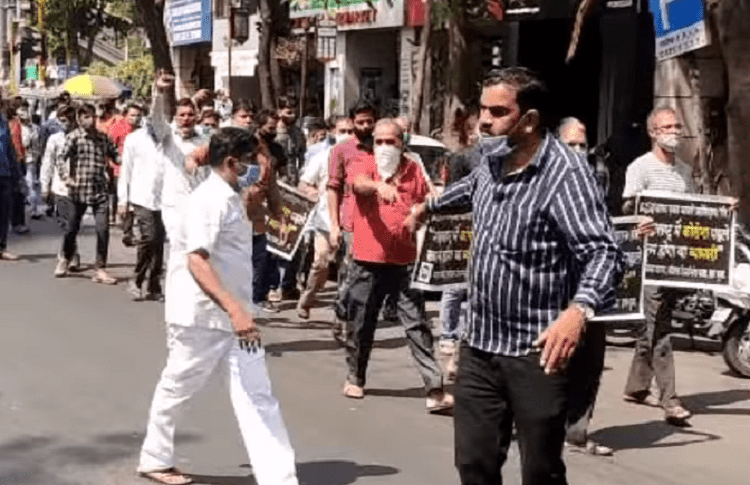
<point x="170" y="476"/>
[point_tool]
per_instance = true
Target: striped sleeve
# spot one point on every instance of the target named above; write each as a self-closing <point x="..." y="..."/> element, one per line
<point x="456" y="196"/>
<point x="582" y="217"/>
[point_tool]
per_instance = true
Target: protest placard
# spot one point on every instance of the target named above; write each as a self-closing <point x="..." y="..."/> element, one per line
<point x="443" y="261"/>
<point x="629" y="296"/>
<point x="694" y="242"/>
<point x="283" y="241"/>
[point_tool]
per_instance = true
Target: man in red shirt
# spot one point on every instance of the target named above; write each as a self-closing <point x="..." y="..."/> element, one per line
<point x="343" y="156"/>
<point x="125" y="126"/>
<point x="385" y="186"/>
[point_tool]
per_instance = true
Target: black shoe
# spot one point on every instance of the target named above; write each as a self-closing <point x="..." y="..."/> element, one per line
<point x="155" y="296"/>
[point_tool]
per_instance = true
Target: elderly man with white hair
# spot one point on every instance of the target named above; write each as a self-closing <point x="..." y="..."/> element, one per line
<point x="386" y="186"/>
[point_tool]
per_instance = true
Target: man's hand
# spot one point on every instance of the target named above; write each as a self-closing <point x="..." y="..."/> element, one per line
<point x="121" y="211"/>
<point x="646" y="228"/>
<point x="191" y="164"/>
<point x="412" y="221"/>
<point x="335" y="237"/>
<point x="561" y="339"/>
<point x="387" y="192"/>
<point x="244" y="326"/>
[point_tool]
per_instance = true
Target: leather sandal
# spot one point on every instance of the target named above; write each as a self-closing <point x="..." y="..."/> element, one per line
<point x="170" y="476"/>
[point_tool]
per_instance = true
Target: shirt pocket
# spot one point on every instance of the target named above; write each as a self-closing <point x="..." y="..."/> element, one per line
<point x="525" y="230"/>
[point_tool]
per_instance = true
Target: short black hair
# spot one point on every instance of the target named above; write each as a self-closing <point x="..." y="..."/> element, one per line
<point x="243" y="104"/>
<point x="64" y="98"/>
<point x="286" y="102"/>
<point x="66" y="111"/>
<point x="230" y="142"/>
<point x="362" y="106"/>
<point x="264" y="115"/>
<point x="186" y="102"/>
<point x="86" y="109"/>
<point x="133" y="106"/>
<point x="317" y="124"/>
<point x="531" y="91"/>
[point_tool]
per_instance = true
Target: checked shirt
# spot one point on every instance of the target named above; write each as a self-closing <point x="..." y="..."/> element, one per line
<point x="85" y="156"/>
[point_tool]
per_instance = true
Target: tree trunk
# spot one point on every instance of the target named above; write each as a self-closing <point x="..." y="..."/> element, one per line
<point x="733" y="19"/>
<point x="277" y="83"/>
<point x="264" y="56"/>
<point x="151" y="16"/>
<point x="90" y="48"/>
<point x="420" y="85"/>
<point x="455" y="76"/>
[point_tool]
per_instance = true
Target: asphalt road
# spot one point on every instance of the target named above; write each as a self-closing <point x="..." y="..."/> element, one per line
<point x="79" y="362"/>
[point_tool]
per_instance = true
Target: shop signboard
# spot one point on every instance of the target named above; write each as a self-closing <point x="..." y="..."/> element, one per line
<point x="190" y="21"/>
<point x="443" y="261"/>
<point x="629" y="293"/>
<point x="680" y="27"/>
<point x="326" y="40"/>
<point x="694" y="242"/>
<point x="283" y="240"/>
<point x="349" y="14"/>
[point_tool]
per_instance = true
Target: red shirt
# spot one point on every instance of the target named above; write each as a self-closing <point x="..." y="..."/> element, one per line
<point x="118" y="132"/>
<point x="343" y="156"/>
<point x="379" y="232"/>
<point x="14" y="125"/>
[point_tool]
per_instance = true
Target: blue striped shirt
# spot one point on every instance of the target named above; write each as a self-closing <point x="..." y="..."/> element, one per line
<point x="542" y="238"/>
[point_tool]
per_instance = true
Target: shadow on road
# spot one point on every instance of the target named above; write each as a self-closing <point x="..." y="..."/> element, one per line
<point x="649" y="435"/>
<point x="34" y="460"/>
<point x="36" y="258"/>
<point x="276" y="350"/>
<point x="414" y="392"/>
<point x="705" y="402"/>
<point x="310" y="473"/>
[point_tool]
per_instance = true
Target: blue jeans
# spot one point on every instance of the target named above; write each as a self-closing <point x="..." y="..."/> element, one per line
<point x="451" y="313"/>
<point x="261" y="268"/>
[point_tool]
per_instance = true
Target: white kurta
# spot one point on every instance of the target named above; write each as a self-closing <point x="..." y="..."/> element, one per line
<point x="200" y="338"/>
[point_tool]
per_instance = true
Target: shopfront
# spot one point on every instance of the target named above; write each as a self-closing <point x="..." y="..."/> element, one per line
<point x="191" y="31"/>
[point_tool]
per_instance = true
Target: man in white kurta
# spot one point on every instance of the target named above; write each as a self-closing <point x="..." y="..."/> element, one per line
<point x="209" y="295"/>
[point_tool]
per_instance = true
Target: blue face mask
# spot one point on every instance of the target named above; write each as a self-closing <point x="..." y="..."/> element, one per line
<point x="249" y="177"/>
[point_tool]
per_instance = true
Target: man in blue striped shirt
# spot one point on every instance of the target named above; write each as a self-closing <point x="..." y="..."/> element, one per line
<point x="544" y="261"/>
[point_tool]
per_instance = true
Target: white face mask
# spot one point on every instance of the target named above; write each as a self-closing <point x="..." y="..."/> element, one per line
<point x="387" y="158"/>
<point x="668" y="142"/>
<point x="342" y="138"/>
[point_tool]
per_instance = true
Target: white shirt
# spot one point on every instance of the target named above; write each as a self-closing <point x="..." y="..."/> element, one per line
<point x="49" y="175"/>
<point x="649" y="173"/>
<point x="214" y="222"/>
<point x="178" y="183"/>
<point x="142" y="172"/>
<point x="316" y="173"/>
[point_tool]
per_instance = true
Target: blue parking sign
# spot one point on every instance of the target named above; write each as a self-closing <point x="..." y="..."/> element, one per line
<point x="680" y="27"/>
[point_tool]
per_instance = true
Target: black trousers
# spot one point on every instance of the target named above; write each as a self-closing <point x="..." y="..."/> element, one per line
<point x="494" y="391"/>
<point x="71" y="213"/>
<point x="7" y="192"/>
<point x="18" y="214"/>
<point x="584" y="376"/>
<point x="150" y="255"/>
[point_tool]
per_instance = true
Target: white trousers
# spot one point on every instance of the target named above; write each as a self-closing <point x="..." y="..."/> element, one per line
<point x="194" y="353"/>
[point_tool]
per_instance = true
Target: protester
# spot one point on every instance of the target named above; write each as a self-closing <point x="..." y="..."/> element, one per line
<point x="208" y="123"/>
<point x="586" y="366"/>
<point x="544" y="261"/>
<point x="127" y="125"/>
<point x="291" y="139"/>
<point x="10" y="178"/>
<point x="243" y="114"/>
<point x="314" y="182"/>
<point x="572" y="132"/>
<point x="140" y="188"/>
<point x="453" y="299"/>
<point x="86" y="154"/>
<point x="269" y="157"/>
<point x="30" y="140"/>
<point x="340" y="205"/>
<point x="210" y="325"/>
<point x="385" y="185"/>
<point x="659" y="169"/>
<point x="181" y="175"/>
<point x="54" y="189"/>
<point x="18" y="211"/>
<point x="223" y="105"/>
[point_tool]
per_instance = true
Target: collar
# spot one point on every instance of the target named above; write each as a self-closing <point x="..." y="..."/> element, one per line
<point x="216" y="179"/>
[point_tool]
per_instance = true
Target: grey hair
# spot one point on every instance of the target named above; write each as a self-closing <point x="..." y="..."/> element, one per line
<point x="566" y="122"/>
<point x="392" y="123"/>
<point x="657" y="111"/>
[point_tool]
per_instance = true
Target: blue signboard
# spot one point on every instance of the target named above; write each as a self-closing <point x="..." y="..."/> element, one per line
<point x="190" y="21"/>
<point x="680" y="27"/>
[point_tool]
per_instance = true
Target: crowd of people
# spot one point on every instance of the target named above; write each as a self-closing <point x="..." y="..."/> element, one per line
<point x="203" y="185"/>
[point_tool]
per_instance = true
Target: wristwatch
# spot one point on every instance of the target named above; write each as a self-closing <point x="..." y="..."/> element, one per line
<point x="586" y="309"/>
